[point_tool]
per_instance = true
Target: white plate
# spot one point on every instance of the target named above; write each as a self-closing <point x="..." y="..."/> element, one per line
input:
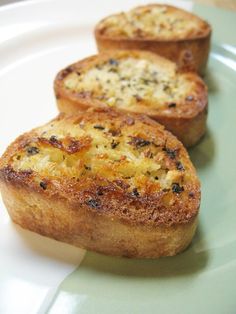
<point x="37" y="38"/>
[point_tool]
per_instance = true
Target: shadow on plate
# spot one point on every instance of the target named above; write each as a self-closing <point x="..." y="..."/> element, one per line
<point x="211" y="81"/>
<point x="191" y="261"/>
<point x="38" y="246"/>
<point x="203" y="153"/>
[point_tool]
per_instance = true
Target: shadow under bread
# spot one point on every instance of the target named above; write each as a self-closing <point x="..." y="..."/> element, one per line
<point x="187" y="263"/>
<point x="203" y="153"/>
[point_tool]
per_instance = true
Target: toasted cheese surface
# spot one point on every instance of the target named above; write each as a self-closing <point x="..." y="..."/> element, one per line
<point x="85" y="149"/>
<point x="153" y="21"/>
<point x="104" y="158"/>
<point x="136" y="83"/>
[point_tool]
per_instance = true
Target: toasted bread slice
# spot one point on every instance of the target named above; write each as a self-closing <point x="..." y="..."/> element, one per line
<point x="166" y="30"/>
<point x="105" y="181"/>
<point x="137" y="81"/>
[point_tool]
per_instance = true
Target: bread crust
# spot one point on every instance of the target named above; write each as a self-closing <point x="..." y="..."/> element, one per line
<point x="189" y="52"/>
<point x="187" y="120"/>
<point x="91" y="210"/>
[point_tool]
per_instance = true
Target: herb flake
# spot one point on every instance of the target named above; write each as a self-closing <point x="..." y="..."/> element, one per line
<point x="139" y="142"/>
<point x="176" y="188"/>
<point x="99" y="127"/>
<point x="114" y="144"/>
<point x="32" y="150"/>
<point x="93" y="203"/>
<point x="43" y="185"/>
<point x="179" y="166"/>
<point x="170" y="152"/>
<point x="135" y="192"/>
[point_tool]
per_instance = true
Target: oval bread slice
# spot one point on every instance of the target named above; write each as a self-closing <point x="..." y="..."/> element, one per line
<point x="166" y="30"/>
<point x="140" y="82"/>
<point x="101" y="180"/>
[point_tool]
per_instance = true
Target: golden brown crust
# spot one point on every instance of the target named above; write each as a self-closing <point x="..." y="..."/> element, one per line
<point x="93" y="209"/>
<point x="189" y="50"/>
<point x="184" y="115"/>
<point x="55" y="219"/>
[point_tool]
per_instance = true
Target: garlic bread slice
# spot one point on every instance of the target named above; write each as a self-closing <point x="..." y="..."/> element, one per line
<point x="140" y="82"/>
<point x="166" y="30"/>
<point x="104" y="181"/>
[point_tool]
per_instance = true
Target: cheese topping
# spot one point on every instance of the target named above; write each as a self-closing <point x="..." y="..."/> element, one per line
<point x="85" y="149"/>
<point x="130" y="82"/>
<point x="153" y="22"/>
